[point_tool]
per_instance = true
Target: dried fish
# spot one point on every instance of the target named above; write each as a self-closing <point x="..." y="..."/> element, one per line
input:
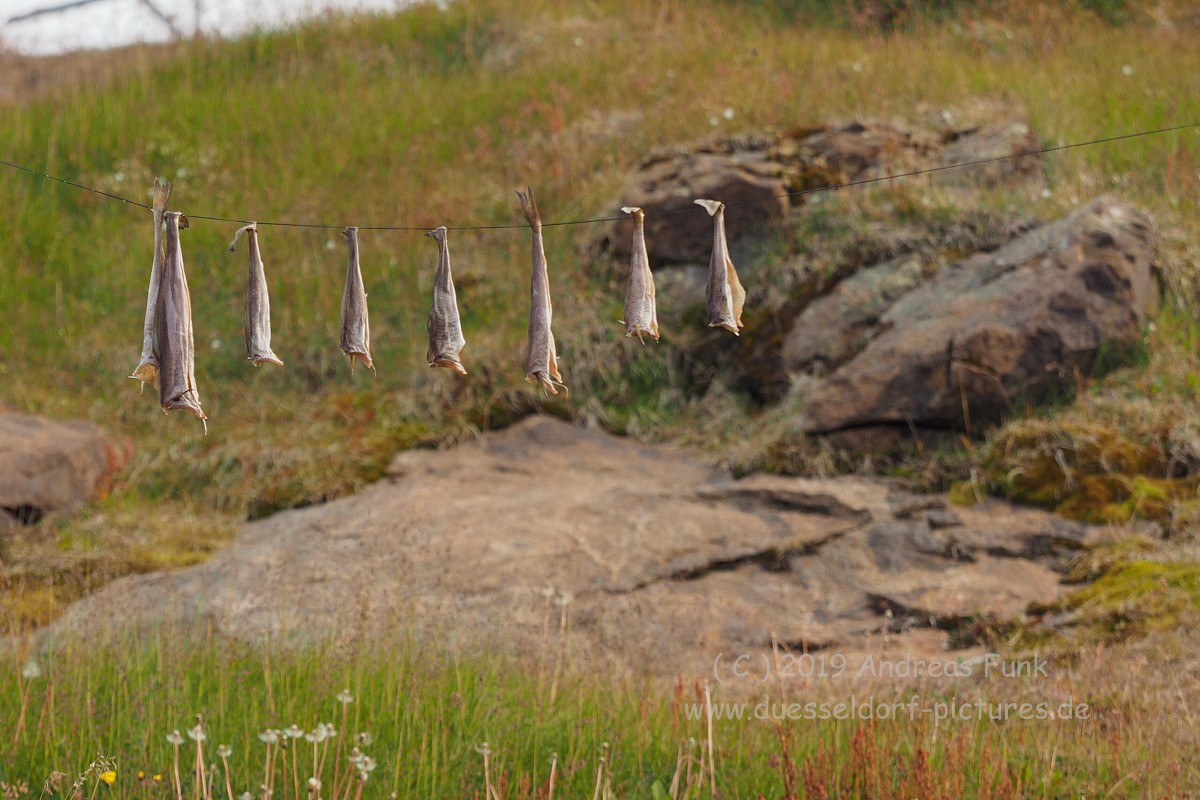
<point x="258" y="303"/>
<point x="725" y="296"/>
<point x="173" y="329"/>
<point x="541" y="365"/>
<point x="641" y="316"/>
<point x="147" y="368"/>
<point x="356" y="332"/>
<point x="445" y="329"/>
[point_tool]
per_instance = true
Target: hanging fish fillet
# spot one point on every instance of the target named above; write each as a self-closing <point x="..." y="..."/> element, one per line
<point x="356" y="332"/>
<point x="445" y="329"/>
<point x="147" y="368"/>
<point x="258" y="303"/>
<point x="641" y="316"/>
<point x="725" y="295"/>
<point x="541" y="365"/>
<point x="173" y="329"/>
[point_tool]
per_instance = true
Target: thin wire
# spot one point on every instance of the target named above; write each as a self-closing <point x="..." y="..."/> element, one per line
<point x="76" y="185"/>
<point x="812" y="190"/>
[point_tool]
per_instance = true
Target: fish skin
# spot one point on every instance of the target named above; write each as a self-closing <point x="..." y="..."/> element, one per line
<point x="356" y="329"/>
<point x="641" y="314"/>
<point x="725" y="296"/>
<point x="541" y="363"/>
<point x="444" y="325"/>
<point x="258" y="302"/>
<point x="147" y="368"/>
<point x="173" y="329"/>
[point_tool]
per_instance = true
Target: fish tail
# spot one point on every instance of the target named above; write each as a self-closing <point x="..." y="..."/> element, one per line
<point x="253" y="226"/>
<point x="529" y="206"/>
<point x="161" y="196"/>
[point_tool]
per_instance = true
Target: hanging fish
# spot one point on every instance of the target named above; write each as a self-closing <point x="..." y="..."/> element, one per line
<point x="173" y="329"/>
<point x="258" y="303"/>
<point x="541" y="365"/>
<point x="147" y="368"/>
<point x="725" y="295"/>
<point x="641" y="316"/>
<point x="445" y="329"/>
<point x="356" y="332"/>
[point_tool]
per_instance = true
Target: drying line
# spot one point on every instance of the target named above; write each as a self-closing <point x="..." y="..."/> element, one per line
<point x="596" y="220"/>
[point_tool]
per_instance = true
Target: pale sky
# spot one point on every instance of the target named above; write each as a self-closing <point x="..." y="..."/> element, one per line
<point x="112" y="23"/>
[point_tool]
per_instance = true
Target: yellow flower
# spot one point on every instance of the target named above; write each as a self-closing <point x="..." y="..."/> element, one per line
<point x="157" y="777"/>
<point x="109" y="777"/>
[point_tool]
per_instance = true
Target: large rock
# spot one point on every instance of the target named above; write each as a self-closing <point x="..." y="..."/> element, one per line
<point x="1018" y="324"/>
<point x="753" y="174"/>
<point x="737" y="171"/>
<point x="50" y="466"/>
<point x="666" y="560"/>
<point x="835" y="327"/>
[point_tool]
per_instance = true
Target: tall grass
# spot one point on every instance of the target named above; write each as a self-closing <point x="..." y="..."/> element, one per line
<point x="427" y="716"/>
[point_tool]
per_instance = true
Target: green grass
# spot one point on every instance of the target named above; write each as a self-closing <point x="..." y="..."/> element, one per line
<point x="428" y="714"/>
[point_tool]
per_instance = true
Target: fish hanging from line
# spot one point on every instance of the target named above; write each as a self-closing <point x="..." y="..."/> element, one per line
<point x="356" y="331"/>
<point x="147" y="368"/>
<point x="445" y="328"/>
<point x="541" y="364"/>
<point x="641" y="315"/>
<point x="725" y="295"/>
<point x="258" y="303"/>
<point x="173" y="329"/>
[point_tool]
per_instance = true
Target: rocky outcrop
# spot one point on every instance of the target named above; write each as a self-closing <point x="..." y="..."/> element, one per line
<point x="1020" y="324"/>
<point x="740" y="172"/>
<point x="50" y="466"/>
<point x="665" y="561"/>
<point x="754" y="173"/>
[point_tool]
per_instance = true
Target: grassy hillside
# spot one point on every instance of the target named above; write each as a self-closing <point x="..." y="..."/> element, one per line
<point x="434" y="117"/>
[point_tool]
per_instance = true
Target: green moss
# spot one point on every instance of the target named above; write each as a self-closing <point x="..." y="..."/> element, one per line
<point x="1086" y="471"/>
<point x="1136" y="596"/>
<point x="964" y="493"/>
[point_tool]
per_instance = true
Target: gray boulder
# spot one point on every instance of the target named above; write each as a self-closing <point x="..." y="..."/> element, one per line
<point x="666" y="561"/>
<point x="1021" y="323"/>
